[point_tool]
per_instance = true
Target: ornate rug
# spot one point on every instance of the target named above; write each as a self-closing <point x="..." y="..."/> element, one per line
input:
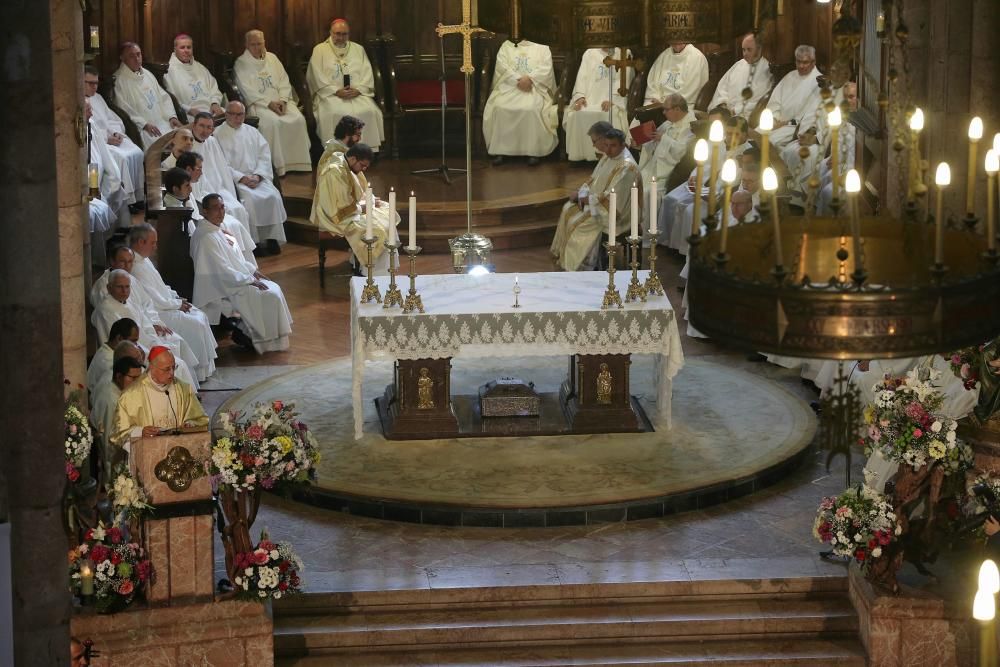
<point x="728" y="425"/>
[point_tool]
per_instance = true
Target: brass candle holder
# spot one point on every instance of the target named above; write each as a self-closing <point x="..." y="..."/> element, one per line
<point x="371" y="291"/>
<point x="393" y="297"/>
<point x="611" y="295"/>
<point x="636" y="290"/>
<point x="653" y="284"/>
<point x="413" y="301"/>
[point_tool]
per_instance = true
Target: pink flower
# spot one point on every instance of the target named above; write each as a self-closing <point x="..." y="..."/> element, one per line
<point x="965" y="371"/>
<point x="874" y="433"/>
<point x="915" y="411"/>
<point x="255" y="432"/>
<point x="260" y="557"/>
<point x="71" y="472"/>
<point x="278" y="405"/>
<point x="126" y="588"/>
<point x="955" y="359"/>
<point x="145" y="569"/>
<point x="115" y="534"/>
<point x="917" y="433"/>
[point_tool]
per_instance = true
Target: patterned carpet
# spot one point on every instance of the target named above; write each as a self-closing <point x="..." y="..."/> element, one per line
<point x="728" y="425"/>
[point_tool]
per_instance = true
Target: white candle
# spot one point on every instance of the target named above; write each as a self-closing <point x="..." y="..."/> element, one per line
<point x="412" y="240"/>
<point x="612" y="211"/>
<point x="634" y="203"/>
<point x="393" y="234"/>
<point x="369" y="203"/>
<point x="653" y="208"/>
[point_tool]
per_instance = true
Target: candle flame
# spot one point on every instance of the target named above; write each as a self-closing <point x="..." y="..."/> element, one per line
<point x="917" y="120"/>
<point x="976" y="129"/>
<point x="942" y="176"/>
<point x="852" y="182"/>
<point x="729" y="171"/>
<point x="989" y="577"/>
<point x="701" y="151"/>
<point x="766" y="120"/>
<point x="992" y="162"/>
<point x="984" y="607"/>
<point x="835" y="118"/>
<point x="770" y="180"/>
<point x="716" y="133"/>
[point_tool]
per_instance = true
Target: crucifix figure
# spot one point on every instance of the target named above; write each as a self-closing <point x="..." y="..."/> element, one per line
<point x="467" y="30"/>
<point x="622" y="64"/>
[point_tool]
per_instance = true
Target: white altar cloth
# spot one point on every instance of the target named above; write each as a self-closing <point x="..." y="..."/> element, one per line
<point x="560" y="314"/>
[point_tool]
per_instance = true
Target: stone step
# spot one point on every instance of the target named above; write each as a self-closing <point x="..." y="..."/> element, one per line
<point x="842" y="652"/>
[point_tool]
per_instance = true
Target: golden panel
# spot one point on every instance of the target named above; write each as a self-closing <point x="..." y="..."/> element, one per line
<point x="687" y="21"/>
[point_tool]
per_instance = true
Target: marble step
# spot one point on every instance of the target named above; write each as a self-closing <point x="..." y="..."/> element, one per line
<point x="743" y="653"/>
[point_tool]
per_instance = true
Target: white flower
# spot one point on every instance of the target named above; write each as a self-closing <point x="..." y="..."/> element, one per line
<point x="99" y="533"/>
<point x="950" y="436"/>
<point x="857" y="537"/>
<point x="899" y="530"/>
<point x="262" y="594"/>
<point x="936" y="426"/>
<point x="876" y="552"/>
<point x="248" y="571"/>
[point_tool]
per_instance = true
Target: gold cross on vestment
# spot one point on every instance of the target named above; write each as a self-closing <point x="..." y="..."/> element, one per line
<point x="622" y="64"/>
<point x="466" y="30"/>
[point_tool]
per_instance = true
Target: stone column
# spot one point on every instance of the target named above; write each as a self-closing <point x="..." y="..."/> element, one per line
<point x="32" y="475"/>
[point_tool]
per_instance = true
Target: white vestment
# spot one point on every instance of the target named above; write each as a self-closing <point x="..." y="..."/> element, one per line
<point x="222" y="286"/>
<point x="795" y="98"/>
<point x="847" y="149"/>
<point x="327" y="67"/>
<point x="801" y="169"/>
<point x="128" y="156"/>
<point x="193" y="86"/>
<point x="579" y="230"/>
<point x="684" y="73"/>
<point x="741" y="76"/>
<point x="109" y="178"/>
<point x="516" y="122"/>
<point x="102" y="218"/>
<point x="659" y="157"/>
<point x="141" y="97"/>
<point x="193" y="325"/>
<point x="218" y="177"/>
<point x="100" y="367"/>
<point x="248" y="154"/>
<point x="262" y="81"/>
<point x="230" y="225"/>
<point x="103" y="408"/>
<point x="592" y="81"/>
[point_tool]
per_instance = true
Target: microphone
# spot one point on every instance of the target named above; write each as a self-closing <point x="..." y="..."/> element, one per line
<point x="177" y="427"/>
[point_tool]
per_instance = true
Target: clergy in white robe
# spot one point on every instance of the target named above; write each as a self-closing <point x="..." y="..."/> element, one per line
<point x="584" y="217"/>
<point x="341" y="205"/>
<point x="595" y="98"/>
<point x="179" y="314"/>
<point x="746" y="82"/>
<point x="119" y="302"/>
<point x="124" y="329"/>
<point x="104" y="408"/>
<point x="520" y="117"/>
<point x="265" y="87"/>
<point x="681" y="69"/>
<point x="749" y="182"/>
<point x="126" y="154"/>
<point x="190" y="82"/>
<point x="847" y="149"/>
<point x="109" y="178"/>
<point x="139" y="95"/>
<point x="226" y="284"/>
<point x="795" y="99"/>
<point x="249" y="158"/>
<point x="217" y="175"/>
<point x="669" y="145"/>
<point x="342" y="83"/>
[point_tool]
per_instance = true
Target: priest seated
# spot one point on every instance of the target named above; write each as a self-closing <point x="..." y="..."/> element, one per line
<point x="190" y="82"/>
<point x="342" y="83"/>
<point x="595" y="96"/>
<point x="584" y="217"/>
<point x="847" y="154"/>
<point x="109" y="178"/>
<point x="104" y="407"/>
<point x="141" y="97"/>
<point x="264" y="85"/>
<point x="217" y="176"/>
<point x="680" y="69"/>
<point x="183" y="142"/>
<point x="795" y="99"/>
<point x="157" y="403"/>
<point x="669" y="145"/>
<point x="99" y="369"/>
<point x="126" y="154"/>
<point x="746" y="83"/>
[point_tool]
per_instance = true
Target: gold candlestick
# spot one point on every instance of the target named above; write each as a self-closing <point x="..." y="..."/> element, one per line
<point x="653" y="285"/>
<point x="413" y="300"/>
<point x="636" y="290"/>
<point x="393" y="297"/>
<point x="371" y="291"/>
<point x="611" y="295"/>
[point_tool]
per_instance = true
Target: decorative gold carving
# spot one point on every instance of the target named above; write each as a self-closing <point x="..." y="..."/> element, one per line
<point x="425" y="390"/>
<point x="466" y="30"/>
<point x="688" y="20"/>
<point x="605" y="385"/>
<point x="178" y="469"/>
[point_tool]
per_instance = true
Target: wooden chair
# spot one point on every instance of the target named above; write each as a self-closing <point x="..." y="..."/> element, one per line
<point x="108" y="93"/>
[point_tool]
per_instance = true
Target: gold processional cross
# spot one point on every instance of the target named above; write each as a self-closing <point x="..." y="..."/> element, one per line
<point x="622" y="64"/>
<point x="467" y="30"/>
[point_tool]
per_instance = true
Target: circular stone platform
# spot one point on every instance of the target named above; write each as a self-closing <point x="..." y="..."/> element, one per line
<point x="733" y="433"/>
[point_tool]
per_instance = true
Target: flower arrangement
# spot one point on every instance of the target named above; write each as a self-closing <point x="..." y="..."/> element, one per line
<point x="268" y="448"/>
<point x="128" y="498"/>
<point x="901" y="424"/>
<point x="79" y="439"/>
<point x="109" y="567"/>
<point x="858" y="524"/>
<point x="964" y="364"/>
<point x="270" y="571"/>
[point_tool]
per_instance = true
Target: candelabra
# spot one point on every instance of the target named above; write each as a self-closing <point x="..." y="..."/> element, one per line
<point x="611" y="295"/>
<point x="653" y="284"/>
<point x="393" y="297"/>
<point x="636" y="290"/>
<point x="413" y="301"/>
<point x="371" y="291"/>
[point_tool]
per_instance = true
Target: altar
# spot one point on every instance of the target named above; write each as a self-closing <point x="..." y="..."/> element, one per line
<point x="473" y="316"/>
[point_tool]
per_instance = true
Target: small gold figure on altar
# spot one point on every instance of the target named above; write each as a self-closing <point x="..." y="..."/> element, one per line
<point x="425" y="390"/>
<point x="605" y="384"/>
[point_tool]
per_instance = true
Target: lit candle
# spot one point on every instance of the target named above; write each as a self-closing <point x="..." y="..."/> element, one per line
<point x="992" y="167"/>
<point x="729" y="175"/>
<point x="770" y="184"/>
<point x="880" y="22"/>
<point x="393" y="234"/>
<point x="852" y="184"/>
<point x="834" y="119"/>
<point x="715" y="134"/>
<point x="92" y="176"/>
<point x="975" y="134"/>
<point x="412" y="236"/>
<point x="612" y="211"/>
<point x="765" y="126"/>
<point x="654" y="208"/>
<point x="700" y="155"/>
<point x="95" y="37"/>
<point x="916" y="177"/>
<point x="369" y="205"/>
<point x="996" y="143"/>
<point x="86" y="579"/>
<point x="634" y="203"/>
<point x="942" y="179"/>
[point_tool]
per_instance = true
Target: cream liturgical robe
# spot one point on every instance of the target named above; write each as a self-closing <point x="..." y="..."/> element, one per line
<point x="218" y="177"/>
<point x="103" y="411"/>
<point x="230" y="225"/>
<point x="684" y="73"/>
<point x="592" y="81"/>
<point x="222" y="286"/>
<point x="248" y="154"/>
<point x="127" y="155"/>
<point x="109" y="178"/>
<point x="325" y="77"/>
<point x="193" y="86"/>
<point x="337" y="208"/>
<point x="100" y="367"/>
<point x="801" y="169"/>
<point x="516" y="122"/>
<point x="847" y="148"/>
<point x="742" y="76"/>
<point x="795" y="98"/>
<point x="146" y="403"/>
<point x="659" y="157"/>
<point x="141" y="97"/>
<point x="579" y="230"/>
<point x="262" y="81"/>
